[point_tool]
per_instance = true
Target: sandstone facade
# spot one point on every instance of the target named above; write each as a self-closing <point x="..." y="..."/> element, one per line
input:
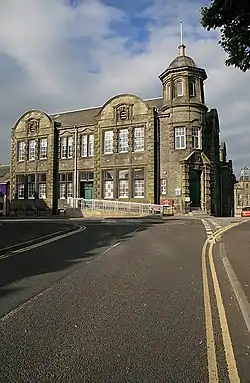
<point x="129" y="149"/>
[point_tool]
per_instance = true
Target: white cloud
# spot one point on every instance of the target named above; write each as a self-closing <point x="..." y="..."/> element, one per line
<point x="55" y="57"/>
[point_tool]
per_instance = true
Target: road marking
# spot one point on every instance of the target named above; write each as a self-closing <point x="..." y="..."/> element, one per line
<point x="32" y="240"/>
<point x="209" y="231"/>
<point x="227" y="342"/>
<point x="214" y="223"/>
<point x="42" y="243"/>
<point x="211" y="354"/>
<point x="238" y="291"/>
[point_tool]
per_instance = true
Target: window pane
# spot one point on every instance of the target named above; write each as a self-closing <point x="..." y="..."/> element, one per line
<point x="21" y="151"/>
<point x="70" y="190"/>
<point x="42" y="190"/>
<point x="123" y="189"/>
<point x="108" y="189"/>
<point x="32" y="150"/>
<point x="85" y="145"/>
<point x="20" y="191"/>
<point x="63" y="142"/>
<point x="123" y="140"/>
<point x="91" y="176"/>
<point x="191" y="88"/>
<point x="43" y="149"/>
<point x="70" y="147"/>
<point x="91" y="145"/>
<point x="139" y="173"/>
<point x="138" y="188"/>
<point x="108" y="175"/>
<point x="139" y="139"/>
<point x="42" y="177"/>
<point x="180" y="138"/>
<point x="108" y="142"/>
<point x="69" y="176"/>
<point x="62" y="190"/>
<point x="196" y="138"/>
<point x="179" y="88"/>
<point x="31" y="190"/>
<point x="123" y="174"/>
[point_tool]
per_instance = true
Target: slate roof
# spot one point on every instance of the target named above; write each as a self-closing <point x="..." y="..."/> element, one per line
<point x="87" y="116"/>
<point x="4" y="173"/>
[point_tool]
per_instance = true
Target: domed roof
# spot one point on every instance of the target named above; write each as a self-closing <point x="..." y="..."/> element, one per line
<point x="182" y="61"/>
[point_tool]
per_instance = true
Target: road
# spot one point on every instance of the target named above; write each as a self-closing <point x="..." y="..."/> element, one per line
<point x="125" y="301"/>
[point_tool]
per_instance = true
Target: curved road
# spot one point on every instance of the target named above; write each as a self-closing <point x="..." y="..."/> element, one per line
<point x="115" y="302"/>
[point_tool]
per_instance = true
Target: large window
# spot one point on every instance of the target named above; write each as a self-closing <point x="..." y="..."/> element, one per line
<point x="66" y="147"/>
<point x="20" y="186"/>
<point x="180" y="138"/>
<point x="123" y="140"/>
<point x="43" y="149"/>
<point x="42" y="189"/>
<point x="65" y="185"/>
<point x="196" y="138"/>
<point x="87" y="145"/>
<point x="108" y="184"/>
<point x="179" y="88"/>
<point x="21" y="146"/>
<point x="139" y="139"/>
<point x="108" y="144"/>
<point x="31" y="186"/>
<point x="123" y="176"/>
<point x="138" y="183"/>
<point x="32" y="150"/>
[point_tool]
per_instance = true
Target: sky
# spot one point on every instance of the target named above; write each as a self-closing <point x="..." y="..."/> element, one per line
<point x="60" y="55"/>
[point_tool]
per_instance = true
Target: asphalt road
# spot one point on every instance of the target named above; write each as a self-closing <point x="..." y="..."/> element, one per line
<point x="118" y="302"/>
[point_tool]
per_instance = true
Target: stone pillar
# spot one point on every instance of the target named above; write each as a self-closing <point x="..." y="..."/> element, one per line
<point x="207" y="194"/>
<point x="185" y="168"/>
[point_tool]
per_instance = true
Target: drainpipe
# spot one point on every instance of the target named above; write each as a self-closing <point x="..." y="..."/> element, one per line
<point x="75" y="168"/>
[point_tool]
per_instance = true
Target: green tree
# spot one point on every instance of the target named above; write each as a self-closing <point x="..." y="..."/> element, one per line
<point x="233" y="19"/>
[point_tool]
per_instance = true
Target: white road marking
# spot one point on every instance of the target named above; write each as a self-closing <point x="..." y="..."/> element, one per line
<point x="42" y="243"/>
<point x="238" y="291"/>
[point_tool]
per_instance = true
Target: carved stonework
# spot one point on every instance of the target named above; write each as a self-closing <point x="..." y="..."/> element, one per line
<point x="123" y="113"/>
<point x="32" y="125"/>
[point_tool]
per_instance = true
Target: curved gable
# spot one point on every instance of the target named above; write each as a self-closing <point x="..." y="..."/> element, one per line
<point x="108" y="110"/>
<point x="32" y="115"/>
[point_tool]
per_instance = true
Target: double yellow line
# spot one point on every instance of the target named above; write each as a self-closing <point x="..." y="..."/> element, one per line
<point x="227" y="342"/>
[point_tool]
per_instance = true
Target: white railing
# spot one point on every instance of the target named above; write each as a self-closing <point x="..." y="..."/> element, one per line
<point x="114" y="206"/>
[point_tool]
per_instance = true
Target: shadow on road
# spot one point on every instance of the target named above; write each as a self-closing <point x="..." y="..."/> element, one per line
<point x="60" y="258"/>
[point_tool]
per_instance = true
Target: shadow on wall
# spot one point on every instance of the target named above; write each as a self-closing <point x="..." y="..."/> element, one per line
<point x="36" y="207"/>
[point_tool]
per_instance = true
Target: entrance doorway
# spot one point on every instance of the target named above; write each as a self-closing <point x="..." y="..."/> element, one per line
<point x="195" y="188"/>
<point x="86" y="189"/>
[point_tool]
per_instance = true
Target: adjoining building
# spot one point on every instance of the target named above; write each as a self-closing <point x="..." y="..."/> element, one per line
<point x="242" y="190"/>
<point x="129" y="149"/>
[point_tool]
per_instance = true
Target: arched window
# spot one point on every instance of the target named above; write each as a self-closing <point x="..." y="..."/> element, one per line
<point x="191" y="86"/>
<point x="169" y="93"/>
<point x="179" y="88"/>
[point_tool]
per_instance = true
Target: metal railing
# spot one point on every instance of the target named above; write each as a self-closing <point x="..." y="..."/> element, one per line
<point x="114" y="206"/>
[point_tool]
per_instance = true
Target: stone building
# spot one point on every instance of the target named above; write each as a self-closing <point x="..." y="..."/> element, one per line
<point x="129" y="149"/>
<point x="242" y="190"/>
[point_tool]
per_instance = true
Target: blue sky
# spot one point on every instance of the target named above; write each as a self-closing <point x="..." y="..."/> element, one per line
<point x="59" y="55"/>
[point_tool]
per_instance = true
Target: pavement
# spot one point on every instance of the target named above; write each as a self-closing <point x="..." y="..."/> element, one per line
<point x="120" y="301"/>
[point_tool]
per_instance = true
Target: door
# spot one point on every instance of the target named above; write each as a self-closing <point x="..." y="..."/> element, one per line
<point x="86" y="190"/>
<point x="195" y="188"/>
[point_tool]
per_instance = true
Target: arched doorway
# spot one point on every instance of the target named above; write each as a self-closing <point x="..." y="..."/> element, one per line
<point x="195" y="188"/>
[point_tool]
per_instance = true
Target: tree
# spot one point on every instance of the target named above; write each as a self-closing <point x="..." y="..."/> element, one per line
<point x="233" y="19"/>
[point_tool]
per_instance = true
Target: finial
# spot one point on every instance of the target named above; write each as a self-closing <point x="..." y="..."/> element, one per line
<point x="181" y="46"/>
